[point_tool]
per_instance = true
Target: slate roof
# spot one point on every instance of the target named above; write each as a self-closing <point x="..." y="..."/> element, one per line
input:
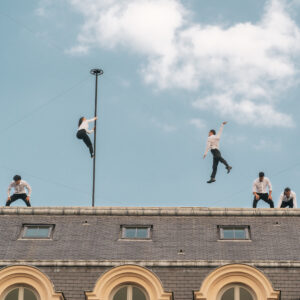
<point x="93" y="234"/>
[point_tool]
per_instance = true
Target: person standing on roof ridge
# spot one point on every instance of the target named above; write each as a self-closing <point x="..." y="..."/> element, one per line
<point x="83" y="130"/>
<point x="213" y="142"/>
<point x="287" y="198"/>
<point x="19" y="186"/>
<point x="260" y="190"/>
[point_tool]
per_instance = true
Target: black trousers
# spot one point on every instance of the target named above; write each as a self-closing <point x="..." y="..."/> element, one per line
<point x="217" y="157"/>
<point x="263" y="196"/>
<point x="82" y="135"/>
<point x="15" y="197"/>
<point x="289" y="203"/>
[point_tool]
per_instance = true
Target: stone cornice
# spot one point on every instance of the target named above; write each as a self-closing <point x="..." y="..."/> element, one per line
<point x="148" y="211"/>
<point x="151" y="263"/>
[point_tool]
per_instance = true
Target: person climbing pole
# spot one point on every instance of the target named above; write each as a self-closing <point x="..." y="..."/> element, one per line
<point x="213" y="142"/>
<point x="82" y="133"/>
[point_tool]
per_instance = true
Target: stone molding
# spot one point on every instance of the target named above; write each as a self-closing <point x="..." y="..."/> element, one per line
<point x="148" y="211"/>
<point x="150" y="263"/>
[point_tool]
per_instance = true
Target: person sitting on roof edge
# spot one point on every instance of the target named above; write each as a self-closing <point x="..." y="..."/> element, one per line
<point x="260" y="190"/>
<point x="287" y="198"/>
<point x="19" y="187"/>
<point x="213" y="141"/>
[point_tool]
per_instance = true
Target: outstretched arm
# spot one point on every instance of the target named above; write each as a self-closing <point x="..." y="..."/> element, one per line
<point x="92" y="120"/>
<point x="280" y="201"/>
<point x="8" y="190"/>
<point x="221" y="129"/>
<point x="206" y="149"/>
<point x="28" y="187"/>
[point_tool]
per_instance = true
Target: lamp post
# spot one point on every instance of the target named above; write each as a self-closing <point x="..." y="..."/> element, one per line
<point x="95" y="72"/>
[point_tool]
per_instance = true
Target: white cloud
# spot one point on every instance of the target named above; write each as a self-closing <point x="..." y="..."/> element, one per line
<point x="267" y="144"/>
<point x="243" y="68"/>
<point x="165" y="127"/>
<point x="198" y="123"/>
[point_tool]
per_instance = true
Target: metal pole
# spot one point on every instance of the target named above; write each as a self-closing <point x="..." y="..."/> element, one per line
<point x="95" y="72"/>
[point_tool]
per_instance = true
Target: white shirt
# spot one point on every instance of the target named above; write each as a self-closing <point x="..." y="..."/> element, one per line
<point x="284" y="198"/>
<point x="213" y="141"/>
<point x="19" y="188"/>
<point x="261" y="187"/>
<point x="85" y="125"/>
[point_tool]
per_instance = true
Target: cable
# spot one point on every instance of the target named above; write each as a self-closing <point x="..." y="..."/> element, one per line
<point x="52" y="99"/>
<point x="47" y="180"/>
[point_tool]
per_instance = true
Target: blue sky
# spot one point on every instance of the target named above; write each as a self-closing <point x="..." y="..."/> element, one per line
<point x="172" y="70"/>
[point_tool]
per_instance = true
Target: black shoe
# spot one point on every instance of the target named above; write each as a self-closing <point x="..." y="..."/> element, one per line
<point x="211" y="180"/>
<point x="228" y="169"/>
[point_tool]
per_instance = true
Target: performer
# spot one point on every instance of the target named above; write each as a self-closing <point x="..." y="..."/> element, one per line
<point x="83" y="130"/>
<point x="287" y="198"/>
<point x="260" y="190"/>
<point x="213" y="141"/>
<point x="19" y="186"/>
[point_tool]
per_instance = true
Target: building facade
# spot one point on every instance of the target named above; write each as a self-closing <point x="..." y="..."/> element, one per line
<point x="112" y="253"/>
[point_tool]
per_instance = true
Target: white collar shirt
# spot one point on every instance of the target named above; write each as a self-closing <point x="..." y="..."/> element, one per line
<point x="284" y="198"/>
<point x="19" y="188"/>
<point x="85" y="125"/>
<point x="213" y="141"/>
<point x="261" y="186"/>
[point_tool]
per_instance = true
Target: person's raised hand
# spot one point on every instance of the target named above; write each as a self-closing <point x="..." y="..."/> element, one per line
<point x="225" y="122"/>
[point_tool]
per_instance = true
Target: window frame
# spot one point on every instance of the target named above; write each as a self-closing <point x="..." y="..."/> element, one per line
<point x="124" y="237"/>
<point x="236" y="287"/>
<point x="129" y="291"/>
<point x="21" y="289"/>
<point x="246" y="229"/>
<point x="26" y="226"/>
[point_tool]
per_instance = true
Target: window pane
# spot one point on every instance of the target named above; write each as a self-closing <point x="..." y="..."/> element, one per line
<point x="245" y="295"/>
<point x="130" y="232"/>
<point x="29" y="295"/>
<point x="142" y="233"/>
<point x="36" y="232"/>
<point x="228" y="234"/>
<point x="13" y="295"/>
<point x="137" y="294"/>
<point x="240" y="234"/>
<point x="121" y="294"/>
<point x="228" y="295"/>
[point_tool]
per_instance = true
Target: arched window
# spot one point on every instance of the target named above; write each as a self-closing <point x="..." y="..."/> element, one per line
<point x="26" y="283"/>
<point x="128" y="282"/>
<point x="236" y="282"/>
<point x="21" y="293"/>
<point x="129" y="292"/>
<point x="236" y="292"/>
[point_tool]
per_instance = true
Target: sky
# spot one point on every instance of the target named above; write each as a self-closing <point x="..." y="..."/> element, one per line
<point x="173" y="70"/>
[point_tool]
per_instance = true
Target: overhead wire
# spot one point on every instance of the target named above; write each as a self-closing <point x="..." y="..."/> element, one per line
<point x="47" y="180"/>
<point x="40" y="107"/>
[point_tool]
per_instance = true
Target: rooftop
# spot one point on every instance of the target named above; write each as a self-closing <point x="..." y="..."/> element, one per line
<point x="188" y="236"/>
